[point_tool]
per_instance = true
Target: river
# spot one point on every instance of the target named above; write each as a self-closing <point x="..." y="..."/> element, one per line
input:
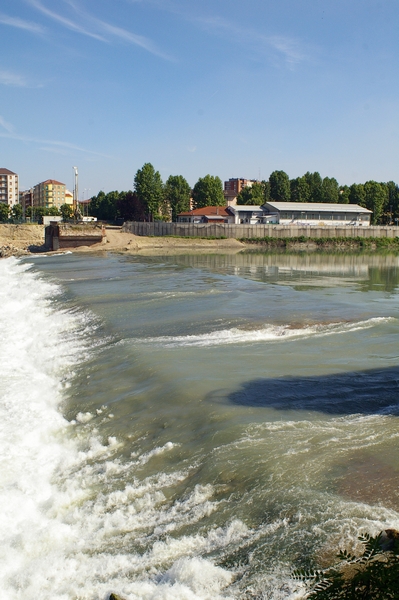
<point x="193" y="427"/>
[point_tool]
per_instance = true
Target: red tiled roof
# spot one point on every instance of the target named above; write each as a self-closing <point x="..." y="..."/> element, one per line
<point x="6" y="172"/>
<point x="53" y="181"/>
<point x="206" y="211"/>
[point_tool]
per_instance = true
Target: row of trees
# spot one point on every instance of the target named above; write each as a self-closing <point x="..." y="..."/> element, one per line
<point x="381" y="198"/>
<point x="15" y="214"/>
<point x="151" y="199"/>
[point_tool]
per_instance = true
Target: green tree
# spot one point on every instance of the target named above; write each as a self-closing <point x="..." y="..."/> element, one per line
<point x="208" y="191"/>
<point x="16" y="212"/>
<point x="392" y="207"/>
<point x="357" y="194"/>
<point x="344" y="194"/>
<point x="376" y="199"/>
<point x="130" y="208"/>
<point x="253" y="195"/>
<point x="315" y="182"/>
<point x="149" y="189"/>
<point x="177" y="195"/>
<point x="4" y="211"/>
<point x="279" y="186"/>
<point x="329" y="190"/>
<point x="300" y="190"/>
<point x="104" y="206"/>
<point x="66" y="211"/>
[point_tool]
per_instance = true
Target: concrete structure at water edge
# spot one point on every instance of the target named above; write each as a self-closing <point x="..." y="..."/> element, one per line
<point x="9" y="187"/>
<point x="60" y="236"/>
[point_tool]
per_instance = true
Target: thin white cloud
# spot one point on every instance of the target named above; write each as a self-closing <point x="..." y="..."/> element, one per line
<point x="98" y="29"/>
<point x="57" y="145"/>
<point x="12" y="79"/>
<point x="20" y="24"/>
<point x="132" y="38"/>
<point x="7" y="126"/>
<point x="291" y="49"/>
<point x="64" y="21"/>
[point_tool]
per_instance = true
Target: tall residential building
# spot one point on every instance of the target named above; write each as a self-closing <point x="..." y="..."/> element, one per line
<point x="233" y="187"/>
<point x="9" y="188"/>
<point x="49" y="193"/>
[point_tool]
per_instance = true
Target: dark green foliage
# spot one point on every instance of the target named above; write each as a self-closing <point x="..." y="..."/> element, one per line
<point x="315" y="183"/>
<point x="343" y="194"/>
<point x="373" y="575"/>
<point x="66" y="211"/>
<point x="329" y="190"/>
<point x="149" y="189"/>
<point x="357" y="242"/>
<point x="38" y="212"/>
<point x="255" y="195"/>
<point x="208" y="191"/>
<point x="4" y="211"/>
<point x="279" y="186"/>
<point x="177" y="195"/>
<point x="16" y="212"/>
<point x="130" y="208"/>
<point x="376" y="198"/>
<point x="357" y="194"/>
<point x="104" y="206"/>
<point x="300" y="190"/>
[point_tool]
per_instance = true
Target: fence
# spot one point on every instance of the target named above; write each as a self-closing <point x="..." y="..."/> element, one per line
<point x="227" y="230"/>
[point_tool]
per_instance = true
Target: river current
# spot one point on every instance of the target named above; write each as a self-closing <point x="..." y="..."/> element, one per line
<point x="193" y="427"/>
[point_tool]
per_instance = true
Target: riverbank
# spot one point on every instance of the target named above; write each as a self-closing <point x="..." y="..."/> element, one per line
<point x="19" y="240"/>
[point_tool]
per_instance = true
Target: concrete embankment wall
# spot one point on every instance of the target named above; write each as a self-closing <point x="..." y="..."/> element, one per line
<point x="224" y="230"/>
<point x="63" y="235"/>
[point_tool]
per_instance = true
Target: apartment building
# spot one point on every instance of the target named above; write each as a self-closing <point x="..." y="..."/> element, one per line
<point x="9" y="187"/>
<point x="233" y="187"/>
<point x="49" y="193"/>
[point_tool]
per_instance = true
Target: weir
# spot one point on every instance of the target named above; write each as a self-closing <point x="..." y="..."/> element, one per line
<point x="66" y="235"/>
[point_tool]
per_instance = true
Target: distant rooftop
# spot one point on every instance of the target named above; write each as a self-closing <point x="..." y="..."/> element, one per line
<point x="6" y="172"/>
<point x="317" y="206"/>
<point x="53" y="181"/>
<point x="206" y="211"/>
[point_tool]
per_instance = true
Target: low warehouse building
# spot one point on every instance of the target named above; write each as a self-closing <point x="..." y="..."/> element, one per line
<point x="312" y="213"/>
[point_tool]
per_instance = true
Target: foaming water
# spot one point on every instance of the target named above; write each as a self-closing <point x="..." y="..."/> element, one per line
<point x="267" y="333"/>
<point x="210" y="443"/>
<point x="60" y="530"/>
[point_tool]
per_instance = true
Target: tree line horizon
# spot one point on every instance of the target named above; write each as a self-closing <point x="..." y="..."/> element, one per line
<point x="151" y="199"/>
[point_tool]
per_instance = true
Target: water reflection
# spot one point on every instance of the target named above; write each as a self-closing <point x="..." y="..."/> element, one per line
<point x="371" y="271"/>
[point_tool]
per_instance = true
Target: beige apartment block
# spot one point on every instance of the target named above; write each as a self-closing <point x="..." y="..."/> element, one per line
<point x="9" y="187"/>
<point x="49" y="193"/>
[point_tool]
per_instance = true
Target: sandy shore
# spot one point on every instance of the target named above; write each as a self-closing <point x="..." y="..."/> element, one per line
<point x="17" y="240"/>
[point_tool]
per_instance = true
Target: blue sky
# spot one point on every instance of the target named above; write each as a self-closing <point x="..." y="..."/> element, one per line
<point x="230" y="88"/>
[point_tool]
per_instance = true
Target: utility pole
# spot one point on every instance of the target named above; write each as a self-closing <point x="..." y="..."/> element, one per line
<point x="75" y="191"/>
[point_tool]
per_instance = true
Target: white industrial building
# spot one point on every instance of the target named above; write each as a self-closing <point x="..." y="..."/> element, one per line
<point x="315" y="213"/>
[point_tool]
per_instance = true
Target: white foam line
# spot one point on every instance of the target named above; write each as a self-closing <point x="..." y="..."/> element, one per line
<point x="268" y="333"/>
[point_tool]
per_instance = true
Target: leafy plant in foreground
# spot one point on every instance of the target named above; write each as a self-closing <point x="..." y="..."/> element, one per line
<point x="373" y="575"/>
